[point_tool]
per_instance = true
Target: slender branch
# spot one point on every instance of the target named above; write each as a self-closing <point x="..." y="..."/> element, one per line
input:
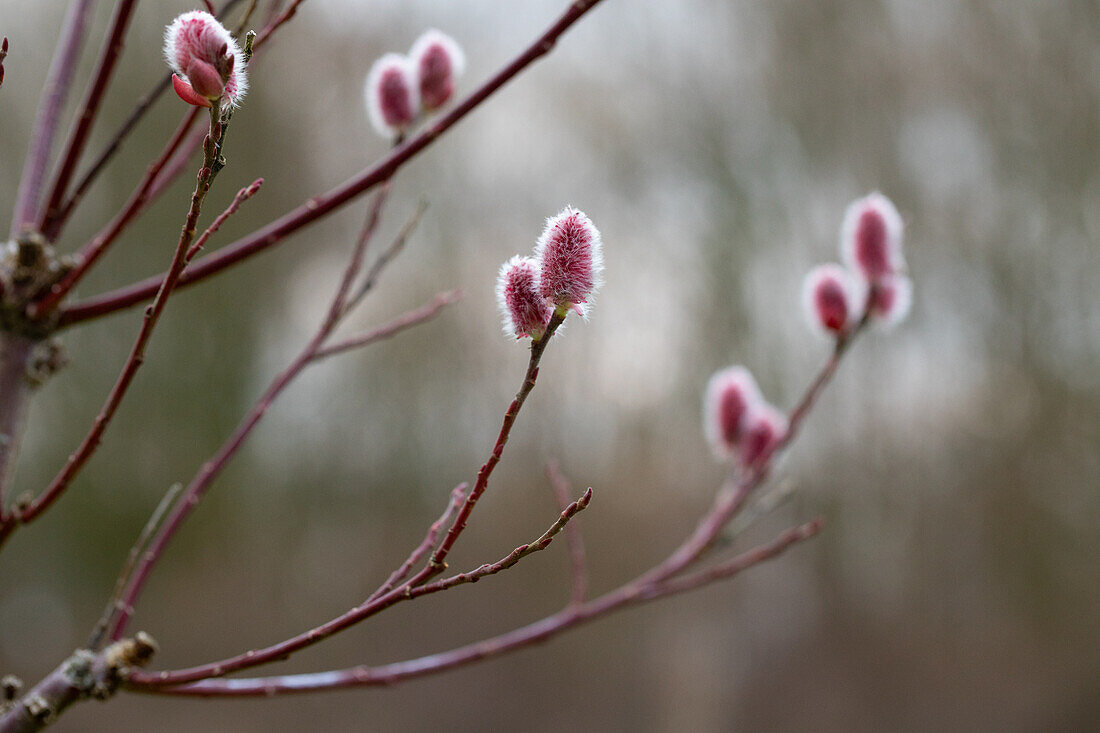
<point x="458" y="494"/>
<point x="137" y="353"/>
<point x="243" y="195"/>
<point x="409" y="589"/>
<point x="539" y="631"/>
<point x="138" y="547"/>
<point x="571" y="510"/>
<point x="406" y="320"/>
<point x="65" y="210"/>
<point x="204" y="479"/>
<point x="60" y="79"/>
<point x="388" y="255"/>
<point x="139" y="199"/>
<point x="78" y="137"/>
<point x="319" y="206"/>
<point x="577" y="561"/>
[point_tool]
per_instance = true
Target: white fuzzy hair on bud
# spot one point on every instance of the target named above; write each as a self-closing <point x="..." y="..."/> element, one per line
<point x="392" y="94"/>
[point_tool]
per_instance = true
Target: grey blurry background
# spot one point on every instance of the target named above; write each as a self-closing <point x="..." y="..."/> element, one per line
<point x="715" y="144"/>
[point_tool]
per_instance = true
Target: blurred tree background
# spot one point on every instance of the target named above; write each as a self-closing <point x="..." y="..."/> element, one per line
<point x="715" y="144"/>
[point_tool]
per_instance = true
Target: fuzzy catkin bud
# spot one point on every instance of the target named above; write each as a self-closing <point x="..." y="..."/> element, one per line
<point x="570" y="256"/>
<point x="731" y="396"/>
<point x="891" y="300"/>
<point x="764" y="427"/>
<point x="207" y="61"/>
<point x="870" y="238"/>
<point x="393" y="96"/>
<point x="831" y="300"/>
<point x="523" y="309"/>
<point x="438" y="61"/>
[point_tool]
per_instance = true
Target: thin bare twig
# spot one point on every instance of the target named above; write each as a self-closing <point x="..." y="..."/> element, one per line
<point x="137" y="353"/>
<point x="539" y="631"/>
<point x="458" y="495"/>
<point x="577" y="561"/>
<point x="46" y="121"/>
<point x="210" y="470"/>
<point x="78" y="137"/>
<point x="406" y="320"/>
<point x="137" y="202"/>
<point x="389" y="254"/>
<point x="436" y="563"/>
<point x="138" y="547"/>
<point x="243" y="195"/>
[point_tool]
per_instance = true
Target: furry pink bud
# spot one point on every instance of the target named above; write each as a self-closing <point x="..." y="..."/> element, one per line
<point x="524" y="310"/>
<point x="731" y="396"/>
<point x="764" y="427"/>
<point x="832" y="299"/>
<point x="438" y="61"/>
<point x="571" y="258"/>
<point x="891" y="299"/>
<point x="207" y="62"/>
<point x="870" y="237"/>
<point x="393" y="96"/>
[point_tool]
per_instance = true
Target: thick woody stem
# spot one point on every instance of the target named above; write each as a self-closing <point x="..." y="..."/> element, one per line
<point x="60" y="79"/>
<point x="320" y="206"/>
<point x="85" y="674"/>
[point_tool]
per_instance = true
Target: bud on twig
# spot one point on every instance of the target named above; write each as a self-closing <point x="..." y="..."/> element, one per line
<point x="832" y="299"/>
<point x="393" y="96"/>
<point x="207" y="61"/>
<point x="870" y="238"/>
<point x="438" y="62"/>
<point x="524" y="311"/>
<point x="570" y="256"/>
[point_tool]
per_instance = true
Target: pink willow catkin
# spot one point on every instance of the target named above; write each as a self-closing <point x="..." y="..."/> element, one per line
<point x="208" y="63"/>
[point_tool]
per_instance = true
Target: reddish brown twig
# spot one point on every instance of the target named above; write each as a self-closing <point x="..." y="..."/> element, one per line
<point x="46" y="121"/>
<point x="406" y="320"/>
<point x="243" y="195"/>
<point x="436" y="563"/>
<point x="539" y="631"/>
<point x="137" y="353"/>
<point x="319" y="206"/>
<point x="137" y="202"/>
<point x="577" y="561"/>
<point x="203" y="480"/>
<point x="458" y="495"/>
<point x="78" y="137"/>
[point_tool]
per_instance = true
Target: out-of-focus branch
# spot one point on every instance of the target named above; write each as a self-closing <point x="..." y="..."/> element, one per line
<point x="137" y="202"/>
<point x="406" y="320"/>
<point x="319" y="206"/>
<point x="46" y="121"/>
<point x="577" y="561"/>
<point x="78" y="137"/>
